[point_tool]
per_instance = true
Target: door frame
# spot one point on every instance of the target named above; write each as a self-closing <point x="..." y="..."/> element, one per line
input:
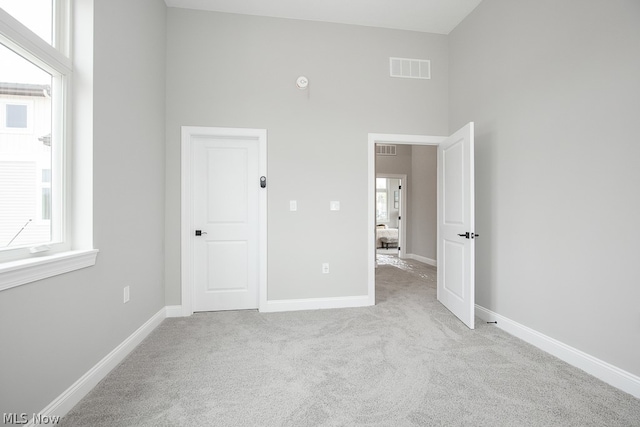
<point x="187" y="228"/>
<point x="402" y="238"/>
<point x="383" y="138"/>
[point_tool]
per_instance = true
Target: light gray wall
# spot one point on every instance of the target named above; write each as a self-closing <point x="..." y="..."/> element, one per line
<point x="398" y="164"/>
<point x="554" y="90"/>
<point x="423" y="189"/>
<point x="53" y="331"/>
<point x="240" y="71"/>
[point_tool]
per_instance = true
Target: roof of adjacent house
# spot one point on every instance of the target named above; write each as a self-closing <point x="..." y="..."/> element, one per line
<point x="24" y="89"/>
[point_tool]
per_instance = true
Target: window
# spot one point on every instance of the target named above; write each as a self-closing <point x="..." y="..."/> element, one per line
<point x="16" y="116"/>
<point x="382" y="197"/>
<point x="46" y="175"/>
<point x="36" y="15"/>
<point x="33" y="79"/>
<point x="36" y="159"/>
<point x="45" y="203"/>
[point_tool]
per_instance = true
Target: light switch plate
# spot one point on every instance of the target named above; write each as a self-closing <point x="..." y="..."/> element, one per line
<point x="293" y="205"/>
<point x="334" y="205"/>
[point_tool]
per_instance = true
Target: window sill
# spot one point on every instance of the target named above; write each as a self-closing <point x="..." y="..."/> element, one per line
<point x="16" y="273"/>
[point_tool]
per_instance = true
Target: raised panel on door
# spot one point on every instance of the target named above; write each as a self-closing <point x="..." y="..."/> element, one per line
<point x="453" y="164"/>
<point x="227" y="203"/>
<point x="454" y="267"/>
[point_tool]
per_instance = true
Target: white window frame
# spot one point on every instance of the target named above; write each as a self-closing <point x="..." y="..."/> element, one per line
<point x="66" y="253"/>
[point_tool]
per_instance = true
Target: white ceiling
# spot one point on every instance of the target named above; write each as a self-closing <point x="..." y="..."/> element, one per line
<point x="431" y="16"/>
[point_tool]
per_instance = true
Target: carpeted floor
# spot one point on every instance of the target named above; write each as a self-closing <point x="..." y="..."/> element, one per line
<point x="404" y="362"/>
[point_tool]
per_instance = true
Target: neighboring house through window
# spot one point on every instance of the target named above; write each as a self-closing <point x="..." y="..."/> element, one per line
<point x="31" y="111"/>
<point x="38" y="236"/>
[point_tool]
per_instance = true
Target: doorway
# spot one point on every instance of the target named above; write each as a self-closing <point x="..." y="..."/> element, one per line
<point x="395" y="139"/>
<point x="455" y="212"/>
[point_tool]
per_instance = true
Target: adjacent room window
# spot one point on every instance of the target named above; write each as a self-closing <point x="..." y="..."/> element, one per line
<point x="34" y="75"/>
<point x="382" y="200"/>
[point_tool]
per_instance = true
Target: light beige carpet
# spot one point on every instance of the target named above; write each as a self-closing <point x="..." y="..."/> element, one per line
<point x="404" y="362"/>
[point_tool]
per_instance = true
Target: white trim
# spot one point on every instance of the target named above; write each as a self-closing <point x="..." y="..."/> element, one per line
<point x="185" y="241"/>
<point x="600" y="369"/>
<point x="273" y="306"/>
<point x="428" y="261"/>
<point x="373" y="139"/>
<point x="71" y="396"/>
<point x="16" y="273"/>
<point x="174" y="311"/>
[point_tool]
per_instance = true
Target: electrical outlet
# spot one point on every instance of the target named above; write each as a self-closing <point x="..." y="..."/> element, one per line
<point x="325" y="268"/>
<point x="126" y="294"/>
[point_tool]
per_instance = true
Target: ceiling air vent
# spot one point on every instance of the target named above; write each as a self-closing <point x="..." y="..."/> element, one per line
<point x="385" y="150"/>
<point x="410" y="68"/>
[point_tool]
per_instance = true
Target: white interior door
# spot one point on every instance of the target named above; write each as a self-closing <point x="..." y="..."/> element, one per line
<point x="225" y="209"/>
<point x="456" y="232"/>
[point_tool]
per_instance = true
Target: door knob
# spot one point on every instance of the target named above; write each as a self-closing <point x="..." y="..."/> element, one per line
<point x="469" y="235"/>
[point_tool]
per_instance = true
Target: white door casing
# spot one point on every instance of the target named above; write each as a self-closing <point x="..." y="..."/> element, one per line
<point x="224" y="268"/>
<point x="456" y="225"/>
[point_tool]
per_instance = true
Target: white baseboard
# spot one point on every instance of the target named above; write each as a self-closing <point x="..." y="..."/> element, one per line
<point x="314" y="304"/>
<point x="428" y="261"/>
<point x="602" y="370"/>
<point x="70" y="397"/>
<point x="174" y="311"/>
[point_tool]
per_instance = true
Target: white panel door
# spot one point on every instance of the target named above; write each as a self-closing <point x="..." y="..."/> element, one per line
<point x="456" y="233"/>
<point x="225" y="209"/>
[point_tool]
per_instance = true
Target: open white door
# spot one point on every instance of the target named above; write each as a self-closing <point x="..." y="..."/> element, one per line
<point x="456" y="232"/>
